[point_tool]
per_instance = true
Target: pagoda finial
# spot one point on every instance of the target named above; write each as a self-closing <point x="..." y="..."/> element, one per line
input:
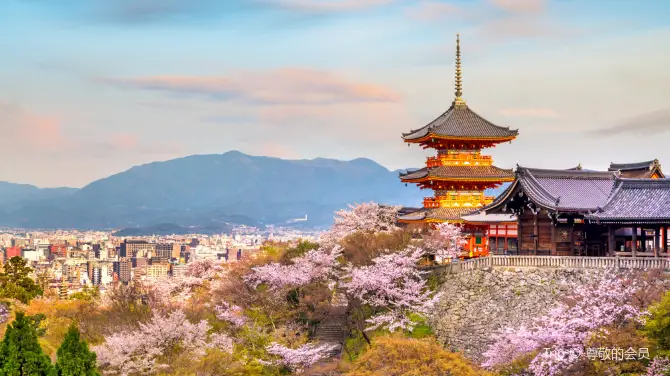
<point x="459" y="76"/>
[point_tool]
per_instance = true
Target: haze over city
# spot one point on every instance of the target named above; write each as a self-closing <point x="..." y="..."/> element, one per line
<point x="92" y="88"/>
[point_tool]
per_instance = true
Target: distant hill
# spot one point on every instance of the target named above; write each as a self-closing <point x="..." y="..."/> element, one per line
<point x="203" y="189"/>
<point x="209" y="192"/>
<point x="13" y="195"/>
<point x="174" y="229"/>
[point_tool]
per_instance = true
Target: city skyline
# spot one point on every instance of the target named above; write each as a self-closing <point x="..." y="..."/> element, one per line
<point x="94" y="88"/>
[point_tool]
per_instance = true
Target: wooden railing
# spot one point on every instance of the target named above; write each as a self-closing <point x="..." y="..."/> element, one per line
<point x="562" y="262"/>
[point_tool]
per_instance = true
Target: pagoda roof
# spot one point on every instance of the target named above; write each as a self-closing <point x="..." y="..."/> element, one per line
<point x="460" y="122"/>
<point x="436" y="214"/>
<point x="636" y="201"/>
<point x="560" y="190"/>
<point x="638" y="170"/>
<point x="479" y="173"/>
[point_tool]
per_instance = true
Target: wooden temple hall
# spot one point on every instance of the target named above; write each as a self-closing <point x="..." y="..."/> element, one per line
<point x="571" y="212"/>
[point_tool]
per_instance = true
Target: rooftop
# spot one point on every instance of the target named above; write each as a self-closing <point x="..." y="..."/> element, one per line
<point x="636" y="200"/>
<point x="459" y="173"/>
<point x="459" y="122"/>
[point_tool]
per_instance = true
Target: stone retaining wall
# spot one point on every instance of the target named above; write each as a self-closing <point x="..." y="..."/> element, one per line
<point x="478" y="303"/>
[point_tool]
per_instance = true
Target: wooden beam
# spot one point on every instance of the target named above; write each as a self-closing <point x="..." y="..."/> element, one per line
<point x="633" y="246"/>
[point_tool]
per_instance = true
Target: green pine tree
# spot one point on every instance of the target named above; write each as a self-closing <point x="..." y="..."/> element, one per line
<point x="20" y="353"/>
<point x="74" y="357"/>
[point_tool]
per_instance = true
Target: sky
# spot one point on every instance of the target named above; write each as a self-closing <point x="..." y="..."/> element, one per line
<point x="90" y="88"/>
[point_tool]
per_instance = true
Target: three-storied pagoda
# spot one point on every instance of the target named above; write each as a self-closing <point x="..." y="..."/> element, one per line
<point x="459" y="173"/>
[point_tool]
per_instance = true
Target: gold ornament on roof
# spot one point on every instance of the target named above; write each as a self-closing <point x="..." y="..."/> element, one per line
<point x="459" y="74"/>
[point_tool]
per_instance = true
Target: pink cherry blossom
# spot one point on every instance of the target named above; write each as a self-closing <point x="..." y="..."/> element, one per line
<point x="301" y="358"/>
<point x="564" y="330"/>
<point x="659" y="366"/>
<point x="394" y="283"/>
<point x="367" y="217"/>
<point x="140" y="350"/>
<point x="315" y="265"/>
<point x="445" y="241"/>
<point x="231" y="313"/>
<point x="4" y="313"/>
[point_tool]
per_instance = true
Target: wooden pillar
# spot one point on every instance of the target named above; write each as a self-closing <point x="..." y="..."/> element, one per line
<point x="519" y="233"/>
<point x="643" y="239"/>
<point x="571" y="236"/>
<point x="553" y="239"/>
<point x="665" y="239"/>
<point x="657" y="243"/>
<point x="610" y="240"/>
<point x="633" y="246"/>
<point x="536" y="231"/>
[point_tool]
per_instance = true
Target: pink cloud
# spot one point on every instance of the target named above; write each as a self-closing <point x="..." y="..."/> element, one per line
<point x="283" y="86"/>
<point x="520" y="6"/>
<point x="123" y="141"/>
<point x="331" y="5"/>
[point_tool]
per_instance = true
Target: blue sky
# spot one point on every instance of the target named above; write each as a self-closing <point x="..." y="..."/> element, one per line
<point x="89" y="88"/>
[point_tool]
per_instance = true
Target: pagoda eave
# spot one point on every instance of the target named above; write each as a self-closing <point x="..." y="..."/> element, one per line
<point x="447" y="180"/>
<point x="433" y="138"/>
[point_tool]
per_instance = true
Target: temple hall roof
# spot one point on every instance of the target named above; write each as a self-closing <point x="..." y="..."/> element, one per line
<point x="459" y="173"/>
<point x="638" y="170"/>
<point x="636" y="201"/>
<point x="561" y="190"/>
<point x="460" y="122"/>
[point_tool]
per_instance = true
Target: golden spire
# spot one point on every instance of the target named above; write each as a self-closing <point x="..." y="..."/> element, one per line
<point x="459" y="78"/>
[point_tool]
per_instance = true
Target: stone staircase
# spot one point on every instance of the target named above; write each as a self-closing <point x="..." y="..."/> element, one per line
<point x="331" y="331"/>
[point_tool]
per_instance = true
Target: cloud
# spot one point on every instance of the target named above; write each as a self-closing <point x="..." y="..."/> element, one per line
<point x="520" y="6"/>
<point x="652" y="123"/>
<point x="24" y="129"/>
<point x="283" y="86"/>
<point x="529" y="112"/>
<point x="329" y="5"/>
<point x="26" y="132"/>
<point x="435" y="10"/>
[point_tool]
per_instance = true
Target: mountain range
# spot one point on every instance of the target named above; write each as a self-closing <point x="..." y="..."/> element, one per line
<point x="208" y="192"/>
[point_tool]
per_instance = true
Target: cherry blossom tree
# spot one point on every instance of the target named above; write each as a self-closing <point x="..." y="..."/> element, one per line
<point x="301" y="358"/>
<point x="562" y="333"/>
<point x="4" y="313"/>
<point x="394" y="284"/>
<point x="315" y="265"/>
<point x="366" y="217"/>
<point x="659" y="366"/>
<point x="231" y="313"/>
<point x="446" y="241"/>
<point x="139" y="351"/>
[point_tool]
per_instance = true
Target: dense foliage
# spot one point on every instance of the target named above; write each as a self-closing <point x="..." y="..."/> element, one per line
<point x="73" y="356"/>
<point x="262" y="315"/>
<point x="20" y="352"/>
<point x="15" y="281"/>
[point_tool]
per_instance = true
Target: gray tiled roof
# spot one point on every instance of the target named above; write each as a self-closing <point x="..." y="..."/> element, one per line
<point x="633" y="166"/>
<point x="636" y="200"/>
<point x="461" y="122"/>
<point x="572" y="190"/>
<point x="561" y="190"/>
<point x="460" y="172"/>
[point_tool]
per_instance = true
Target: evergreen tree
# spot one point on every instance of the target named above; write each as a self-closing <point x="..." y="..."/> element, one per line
<point x="15" y="282"/>
<point x="74" y="357"/>
<point x="20" y="353"/>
